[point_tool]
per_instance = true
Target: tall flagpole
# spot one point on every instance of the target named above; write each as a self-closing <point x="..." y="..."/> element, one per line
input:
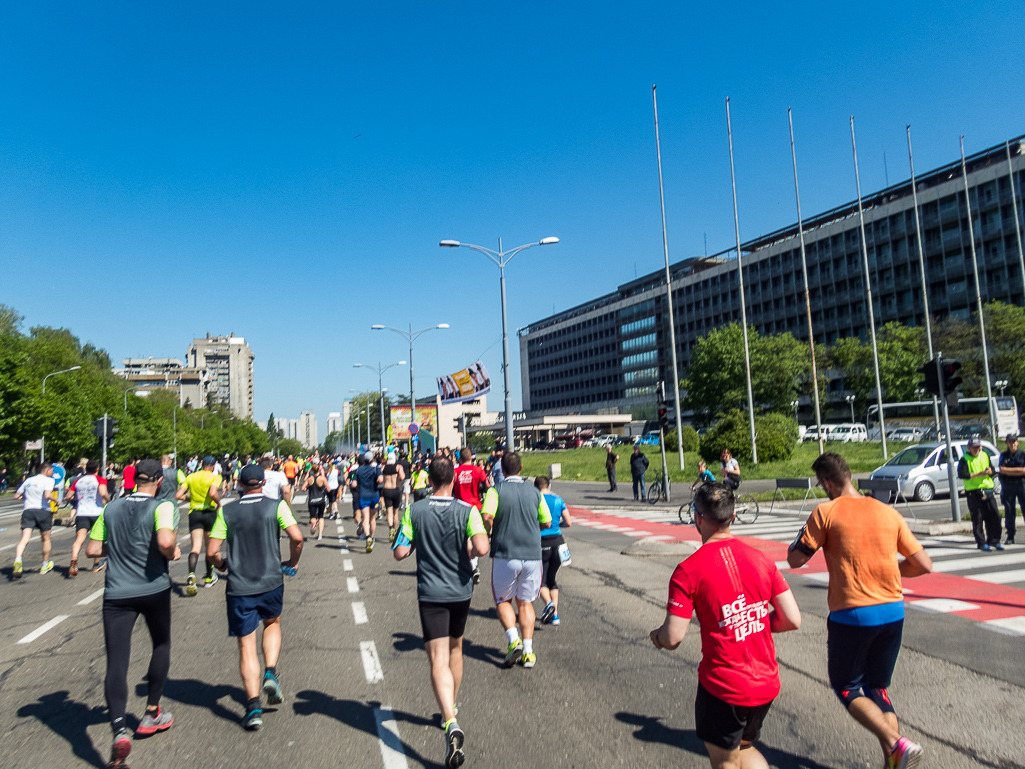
<point x="978" y="300"/>
<point x="807" y="293"/>
<point x="669" y="294"/>
<point x="925" y="283"/>
<point x="1014" y="205"/>
<point x="743" y="297"/>
<point x="868" y="295"/>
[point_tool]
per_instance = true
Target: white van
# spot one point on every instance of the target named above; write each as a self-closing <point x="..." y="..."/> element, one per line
<point x="849" y="432"/>
<point x="813" y="432"/>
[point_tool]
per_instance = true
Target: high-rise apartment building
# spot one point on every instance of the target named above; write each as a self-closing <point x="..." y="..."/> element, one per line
<point x="228" y="362"/>
<point x="148" y="374"/>
<point x="307" y="429"/>
<point x="334" y="422"/>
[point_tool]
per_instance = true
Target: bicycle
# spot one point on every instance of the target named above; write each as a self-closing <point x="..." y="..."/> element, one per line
<point x="745" y="510"/>
<point x="657" y="490"/>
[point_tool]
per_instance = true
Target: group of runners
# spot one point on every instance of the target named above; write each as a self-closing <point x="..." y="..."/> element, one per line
<point x="450" y="512"/>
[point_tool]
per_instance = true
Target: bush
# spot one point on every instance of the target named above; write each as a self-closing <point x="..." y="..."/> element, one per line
<point x="776" y="434"/>
<point x="690" y="439"/>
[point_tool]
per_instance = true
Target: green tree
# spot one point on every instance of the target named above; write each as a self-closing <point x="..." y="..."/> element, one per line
<point x="776" y="435"/>
<point x="357" y="410"/>
<point x="902" y="352"/>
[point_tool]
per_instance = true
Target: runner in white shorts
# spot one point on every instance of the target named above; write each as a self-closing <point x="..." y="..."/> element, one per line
<point x="514" y="513"/>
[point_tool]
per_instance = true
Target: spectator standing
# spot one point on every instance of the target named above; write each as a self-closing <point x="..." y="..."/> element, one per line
<point x="610" y="468"/>
<point x="975" y="469"/>
<point x="638" y="467"/>
<point x="1012" y="484"/>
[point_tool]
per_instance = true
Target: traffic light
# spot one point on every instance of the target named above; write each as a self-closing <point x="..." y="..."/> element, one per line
<point x="661" y="410"/>
<point x="931" y="373"/>
<point x="98" y="428"/>
<point x="950" y="370"/>
<point x="105" y="428"/>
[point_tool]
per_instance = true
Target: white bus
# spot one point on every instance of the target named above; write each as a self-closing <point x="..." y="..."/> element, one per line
<point x="970" y="417"/>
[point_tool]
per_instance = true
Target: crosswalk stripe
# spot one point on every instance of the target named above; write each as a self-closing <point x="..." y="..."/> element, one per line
<point x="1000" y="577"/>
<point x="1007" y="625"/>
<point x="938" y="552"/>
<point x="979" y="562"/>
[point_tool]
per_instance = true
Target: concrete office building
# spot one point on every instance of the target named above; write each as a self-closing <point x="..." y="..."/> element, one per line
<point x="148" y="374"/>
<point x="228" y="362"/>
<point x="606" y="355"/>
<point x="293" y="430"/>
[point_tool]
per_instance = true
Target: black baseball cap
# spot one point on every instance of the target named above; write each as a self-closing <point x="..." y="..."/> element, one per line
<point x="148" y="470"/>
<point x="974" y="441"/>
<point x="209" y="460"/>
<point x="1011" y="437"/>
<point x="251" y="474"/>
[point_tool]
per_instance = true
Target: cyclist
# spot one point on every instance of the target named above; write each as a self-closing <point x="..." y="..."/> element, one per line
<point x="730" y="470"/>
<point x="704" y="476"/>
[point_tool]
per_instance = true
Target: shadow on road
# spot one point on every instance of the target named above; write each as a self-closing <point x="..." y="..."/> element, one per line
<point x="190" y="691"/>
<point x="481" y="653"/>
<point x="407" y="642"/>
<point x="69" y="719"/>
<point x="651" y="729"/>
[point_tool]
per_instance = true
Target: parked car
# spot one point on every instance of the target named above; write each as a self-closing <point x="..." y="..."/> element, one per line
<point x="649" y="439"/>
<point x="921" y="470"/>
<point x="906" y="435"/>
<point x="849" y="432"/>
<point x="605" y="440"/>
<point x="813" y="432"/>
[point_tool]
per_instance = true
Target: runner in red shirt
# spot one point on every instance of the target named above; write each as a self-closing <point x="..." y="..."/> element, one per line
<point x="730" y="587"/>
<point x="469" y="480"/>
<point x="128" y="478"/>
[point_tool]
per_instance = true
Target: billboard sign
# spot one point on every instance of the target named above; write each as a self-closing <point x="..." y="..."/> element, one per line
<point x="466" y="385"/>
<point x="402" y="418"/>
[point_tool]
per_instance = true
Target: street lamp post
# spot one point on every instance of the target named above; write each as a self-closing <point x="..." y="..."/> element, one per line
<point x="501" y="258"/>
<point x="1000" y="384"/>
<point x="42" y="439"/>
<point x="850" y="402"/>
<point x="380" y="387"/>
<point x="410" y="336"/>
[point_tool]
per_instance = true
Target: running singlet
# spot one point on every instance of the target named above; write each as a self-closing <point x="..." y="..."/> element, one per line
<point x="556" y="507"/>
<point x="468" y="479"/>
<point x="290" y="468"/>
<point x="366" y="476"/>
<point x="729" y="585"/>
<point x="129" y="477"/>
<point x="317" y="495"/>
<point x="87" y="492"/>
<point x="200" y="484"/>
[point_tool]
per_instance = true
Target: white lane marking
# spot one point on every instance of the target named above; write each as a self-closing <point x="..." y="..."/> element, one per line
<point x="1000" y="577"/>
<point x="53" y="534"/>
<point x="980" y="561"/>
<point x="638" y="533"/>
<point x="347" y="564"/>
<point x="1007" y="625"/>
<point x="344" y="550"/>
<point x="353" y="585"/>
<point x="91" y="597"/>
<point x="359" y="612"/>
<point x="937" y="552"/>
<point x="43" y="628"/>
<point x="371" y="663"/>
<point x="663" y="537"/>
<point x="942" y="605"/>
<point x="821" y="577"/>
<point x="388" y="738"/>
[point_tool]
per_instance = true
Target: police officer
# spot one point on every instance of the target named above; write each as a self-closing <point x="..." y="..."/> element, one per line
<point x="1012" y="483"/>
<point x="977" y="473"/>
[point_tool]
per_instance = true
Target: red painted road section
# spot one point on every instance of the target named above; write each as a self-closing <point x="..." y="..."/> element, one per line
<point x="994" y="601"/>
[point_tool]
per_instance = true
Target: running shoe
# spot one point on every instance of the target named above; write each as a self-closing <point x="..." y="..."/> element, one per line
<point x="320" y="537"/>
<point x="528" y="660"/>
<point x="548" y="613"/>
<point x="370" y="544"/>
<point x="362" y="536"/>
<point x="119" y="750"/>
<point x="476" y="576"/>
<point x="998" y="546"/>
<point x="391" y="535"/>
<point x="986" y="548"/>
<point x="905" y="754"/>
<point x="190" y="585"/>
<point x="513" y="654"/>
<point x="210" y="580"/>
<point x="73" y="568"/>
<point x="149" y="724"/>
<point x="253" y="719"/>
<point x="46" y="568"/>
<point x="17" y="570"/>
<point x="454" y="739"/>
<point x="555" y="620"/>
<point x="272" y="689"/>
<point x="98" y="566"/>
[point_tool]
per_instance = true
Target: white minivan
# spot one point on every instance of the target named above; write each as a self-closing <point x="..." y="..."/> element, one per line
<point x="849" y="433"/>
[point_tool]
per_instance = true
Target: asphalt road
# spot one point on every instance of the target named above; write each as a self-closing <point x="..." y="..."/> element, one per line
<point x="358" y="694"/>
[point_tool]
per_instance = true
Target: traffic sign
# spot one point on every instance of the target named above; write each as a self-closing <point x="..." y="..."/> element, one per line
<point x="414" y="428"/>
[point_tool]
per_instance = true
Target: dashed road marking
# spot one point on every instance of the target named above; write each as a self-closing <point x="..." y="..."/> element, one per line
<point x="353" y="585"/>
<point x="359" y="612"/>
<point x="371" y="662"/>
<point x="91" y="597"/>
<point x="43" y="628"/>
<point x="347" y="564"/>
<point x="388" y="738"/>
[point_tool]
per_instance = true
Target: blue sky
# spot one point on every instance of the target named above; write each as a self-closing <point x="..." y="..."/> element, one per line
<point x="172" y="169"/>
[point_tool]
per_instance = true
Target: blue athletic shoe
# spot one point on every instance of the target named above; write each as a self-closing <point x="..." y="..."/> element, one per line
<point x="272" y="689"/>
<point x="253" y="719"/>
<point x="986" y="548"/>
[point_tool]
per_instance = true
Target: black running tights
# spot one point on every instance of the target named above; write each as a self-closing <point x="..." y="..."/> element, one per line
<point x="119" y="616"/>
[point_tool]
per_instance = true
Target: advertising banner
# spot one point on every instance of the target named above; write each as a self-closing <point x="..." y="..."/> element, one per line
<point x="465" y="385"/>
<point x="402" y="418"/>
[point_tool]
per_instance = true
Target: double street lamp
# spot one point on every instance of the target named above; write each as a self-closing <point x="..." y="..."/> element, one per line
<point x="850" y="402"/>
<point x="380" y="387"/>
<point x="410" y="336"/>
<point x="42" y="440"/>
<point x="501" y="258"/>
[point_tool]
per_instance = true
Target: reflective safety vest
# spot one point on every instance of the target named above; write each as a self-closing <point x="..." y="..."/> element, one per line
<point x="977" y="465"/>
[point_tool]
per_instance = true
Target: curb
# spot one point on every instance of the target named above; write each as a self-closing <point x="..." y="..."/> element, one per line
<point x="649" y="546"/>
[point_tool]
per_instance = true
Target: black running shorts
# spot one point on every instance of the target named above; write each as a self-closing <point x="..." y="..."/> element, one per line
<point x="37" y="519"/>
<point x="392" y="497"/>
<point x="443" y="620"/>
<point x="724" y="725"/>
<point x="202" y="519"/>
<point x="84" y="522"/>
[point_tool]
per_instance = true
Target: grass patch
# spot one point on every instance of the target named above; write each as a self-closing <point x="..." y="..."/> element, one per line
<point x="589" y="464"/>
